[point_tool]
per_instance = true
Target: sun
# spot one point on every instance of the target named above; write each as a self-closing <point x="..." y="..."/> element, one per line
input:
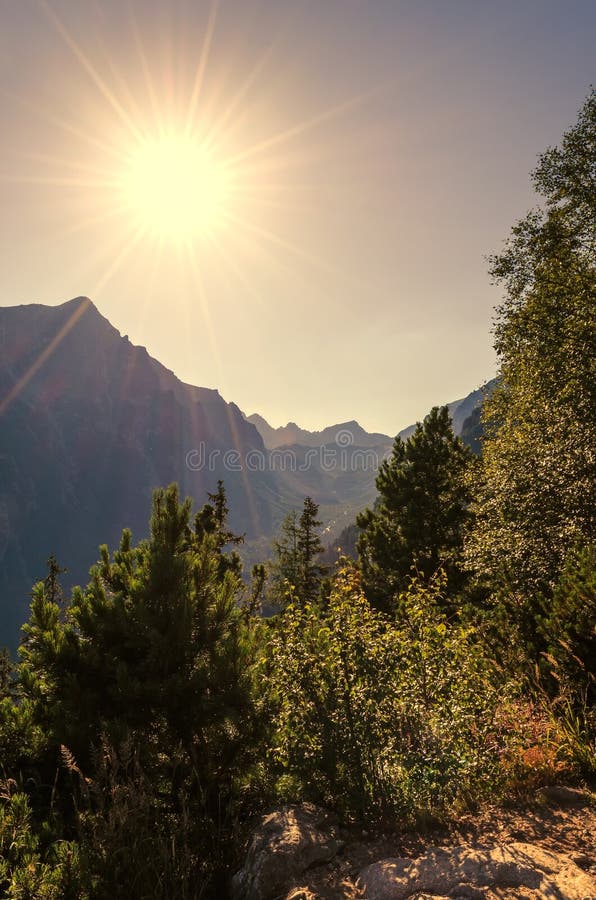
<point x="173" y="161"/>
<point x="175" y="188"/>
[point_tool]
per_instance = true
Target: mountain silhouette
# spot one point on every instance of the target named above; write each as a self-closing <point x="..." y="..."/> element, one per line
<point x="90" y="424"/>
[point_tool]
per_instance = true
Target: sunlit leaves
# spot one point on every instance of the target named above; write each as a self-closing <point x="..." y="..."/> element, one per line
<point x="536" y="493"/>
<point x="378" y="716"/>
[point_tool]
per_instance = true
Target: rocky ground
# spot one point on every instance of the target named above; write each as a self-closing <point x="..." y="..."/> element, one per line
<point x="546" y="849"/>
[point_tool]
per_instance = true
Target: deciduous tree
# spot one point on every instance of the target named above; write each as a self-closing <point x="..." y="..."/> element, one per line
<point x="537" y="490"/>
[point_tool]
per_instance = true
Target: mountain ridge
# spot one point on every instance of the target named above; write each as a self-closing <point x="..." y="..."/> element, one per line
<point x="90" y="424"/>
<point x="290" y="434"/>
<point x="293" y="435"/>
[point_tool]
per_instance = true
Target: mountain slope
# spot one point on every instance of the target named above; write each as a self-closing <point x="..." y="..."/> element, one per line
<point x="89" y="425"/>
<point x="460" y="410"/>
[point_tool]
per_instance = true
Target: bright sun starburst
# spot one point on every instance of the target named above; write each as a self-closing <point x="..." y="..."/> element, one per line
<point x="175" y="188"/>
<point x="171" y="166"/>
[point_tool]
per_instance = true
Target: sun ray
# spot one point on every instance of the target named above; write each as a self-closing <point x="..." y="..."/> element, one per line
<point x="248" y="487"/>
<point x="120" y="259"/>
<point x="132" y="106"/>
<point x="99" y="82"/>
<point x="155" y="259"/>
<point x="299" y="128"/>
<point x="201" y="68"/>
<point x="66" y="126"/>
<point x="229" y="264"/>
<point x="114" y="212"/>
<point x="270" y="237"/>
<point x="64" y="162"/>
<point x="204" y="305"/>
<point x="217" y="129"/>
<point x="246" y="481"/>
<point x="149" y="84"/>
<point x="43" y="356"/>
<point x="274" y="260"/>
<point x="59" y="181"/>
<point x="244" y="474"/>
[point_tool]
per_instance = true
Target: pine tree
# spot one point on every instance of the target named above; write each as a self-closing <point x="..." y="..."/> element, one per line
<point x="156" y="651"/>
<point x="52" y="583"/>
<point x="145" y="686"/>
<point x="420" y="513"/>
<point x="212" y="520"/>
<point x="295" y="571"/>
<point x="309" y="548"/>
<point x="284" y="570"/>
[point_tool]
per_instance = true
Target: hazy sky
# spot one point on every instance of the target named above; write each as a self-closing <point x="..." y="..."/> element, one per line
<point x="379" y="150"/>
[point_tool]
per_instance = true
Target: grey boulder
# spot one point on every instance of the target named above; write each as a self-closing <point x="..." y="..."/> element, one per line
<point x="287" y="843"/>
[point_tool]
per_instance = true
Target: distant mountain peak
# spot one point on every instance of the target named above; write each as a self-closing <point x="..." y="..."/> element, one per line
<point x="353" y="433"/>
<point x="292" y="434"/>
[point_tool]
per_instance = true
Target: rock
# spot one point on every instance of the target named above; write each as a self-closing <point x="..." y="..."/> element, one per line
<point x="466" y="872"/>
<point x="566" y="796"/>
<point x="286" y="843"/>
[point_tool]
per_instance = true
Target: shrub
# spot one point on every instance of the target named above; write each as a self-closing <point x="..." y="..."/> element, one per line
<point x="28" y="870"/>
<point x="383" y="717"/>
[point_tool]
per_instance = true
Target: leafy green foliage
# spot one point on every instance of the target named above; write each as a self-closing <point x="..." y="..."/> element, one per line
<point x="418" y="520"/>
<point x="6" y="673"/>
<point x="568" y="628"/>
<point x="379" y="717"/>
<point x="28" y="871"/>
<point x="536" y="492"/>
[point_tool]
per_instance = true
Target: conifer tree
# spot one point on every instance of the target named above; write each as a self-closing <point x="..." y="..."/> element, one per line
<point x="52" y="583"/>
<point x="284" y="570"/>
<point x="420" y="513"/>
<point x="295" y="569"/>
<point x="309" y="548"/>
<point x="155" y="650"/>
<point x="212" y="520"/>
